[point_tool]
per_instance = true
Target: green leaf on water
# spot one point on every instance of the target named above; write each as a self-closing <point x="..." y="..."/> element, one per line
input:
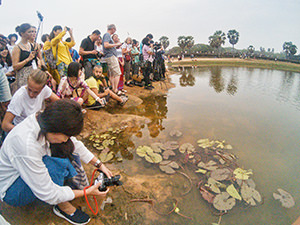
<point x="143" y="150"/>
<point x="105" y="157"/>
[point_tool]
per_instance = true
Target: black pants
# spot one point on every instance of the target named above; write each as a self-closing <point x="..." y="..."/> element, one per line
<point x="88" y="69"/>
<point x="147" y="71"/>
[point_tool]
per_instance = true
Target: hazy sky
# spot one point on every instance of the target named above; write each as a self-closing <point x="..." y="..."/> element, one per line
<point x="266" y="23"/>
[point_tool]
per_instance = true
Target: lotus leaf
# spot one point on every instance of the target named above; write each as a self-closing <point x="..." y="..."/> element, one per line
<point x="220" y="144"/>
<point x="156" y="147"/>
<point x="111" y="142"/>
<point x="168" y="153"/>
<point x="110" y="129"/>
<point x="228" y="147"/>
<point x="153" y="157"/>
<point x="96" y="136"/>
<point x="233" y="192"/>
<point x="105" y="136"/>
<point x="223" y="202"/>
<point x="105" y="143"/>
<point x="186" y="148"/>
<point x="105" y="157"/>
<point x="95" y="145"/>
<point x="220" y="174"/>
<point x="205" y="143"/>
<point x="168" y="166"/>
<point x="97" y="141"/>
<point x="250" y="195"/>
<point x="143" y="150"/>
<point x="242" y="174"/>
<point x="100" y="148"/>
<point x="91" y="137"/>
<point x="214" y="185"/>
<point x="249" y="182"/>
<point x="209" y="197"/>
<point x="113" y="138"/>
<point x="285" y="198"/>
<point x="211" y="165"/>
<point x="170" y="145"/>
<point x="175" y="133"/>
<point x="201" y="171"/>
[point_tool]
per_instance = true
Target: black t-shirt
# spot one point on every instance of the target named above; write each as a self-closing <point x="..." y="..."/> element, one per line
<point x="88" y="45"/>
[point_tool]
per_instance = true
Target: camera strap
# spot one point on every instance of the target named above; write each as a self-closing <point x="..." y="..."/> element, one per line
<point x="86" y="198"/>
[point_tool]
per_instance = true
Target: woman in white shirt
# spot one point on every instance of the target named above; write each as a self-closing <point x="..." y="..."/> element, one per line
<point x="27" y="171"/>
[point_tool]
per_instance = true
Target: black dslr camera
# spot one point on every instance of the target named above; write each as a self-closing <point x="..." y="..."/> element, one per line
<point x="106" y="182"/>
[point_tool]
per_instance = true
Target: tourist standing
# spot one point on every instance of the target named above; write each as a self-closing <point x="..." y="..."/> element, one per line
<point x="126" y="51"/>
<point x="89" y="53"/>
<point x="109" y="50"/>
<point x="23" y="55"/>
<point x="12" y="39"/>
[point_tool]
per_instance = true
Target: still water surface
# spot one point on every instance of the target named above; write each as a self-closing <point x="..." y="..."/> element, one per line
<point x="257" y="111"/>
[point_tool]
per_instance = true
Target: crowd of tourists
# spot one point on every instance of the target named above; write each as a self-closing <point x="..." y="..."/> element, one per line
<point x="44" y="90"/>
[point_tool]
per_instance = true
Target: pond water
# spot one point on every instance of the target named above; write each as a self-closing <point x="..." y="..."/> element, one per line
<point x="257" y="111"/>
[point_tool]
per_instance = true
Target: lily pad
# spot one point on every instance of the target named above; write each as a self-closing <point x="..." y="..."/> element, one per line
<point x="153" y="158"/>
<point x="228" y="147"/>
<point x="223" y="202"/>
<point x="242" y="174"/>
<point x="157" y="147"/>
<point x="206" y="195"/>
<point x="168" y="166"/>
<point x="168" y="153"/>
<point x="285" y="198"/>
<point x="250" y="195"/>
<point x="186" y="148"/>
<point x="106" y="156"/>
<point x="215" y="185"/>
<point x="143" y="150"/>
<point x="205" y="143"/>
<point x="211" y="165"/>
<point x="249" y="182"/>
<point x="201" y="171"/>
<point x="175" y="133"/>
<point x="220" y="174"/>
<point x="233" y="192"/>
<point x="170" y="145"/>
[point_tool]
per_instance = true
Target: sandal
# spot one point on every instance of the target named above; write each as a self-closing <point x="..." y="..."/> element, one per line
<point x="124" y="100"/>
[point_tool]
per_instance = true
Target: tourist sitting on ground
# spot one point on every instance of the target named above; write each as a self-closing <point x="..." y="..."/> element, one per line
<point x="60" y="48"/>
<point x="74" y="87"/>
<point x="12" y="39"/>
<point x="28" y="99"/>
<point x="40" y="154"/>
<point x="89" y="53"/>
<point x="97" y="84"/>
<point x="23" y="55"/>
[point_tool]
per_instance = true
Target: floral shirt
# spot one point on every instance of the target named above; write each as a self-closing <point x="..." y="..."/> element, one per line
<point x="65" y="89"/>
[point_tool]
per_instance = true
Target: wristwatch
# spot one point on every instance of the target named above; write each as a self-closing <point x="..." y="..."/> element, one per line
<point x="98" y="164"/>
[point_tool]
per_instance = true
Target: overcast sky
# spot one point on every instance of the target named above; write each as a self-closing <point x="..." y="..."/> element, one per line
<point x="266" y="23"/>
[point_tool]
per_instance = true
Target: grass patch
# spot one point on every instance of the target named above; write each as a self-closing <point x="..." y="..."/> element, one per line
<point x="263" y="64"/>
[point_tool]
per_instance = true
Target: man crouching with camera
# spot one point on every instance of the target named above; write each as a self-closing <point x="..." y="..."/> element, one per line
<point x="41" y="155"/>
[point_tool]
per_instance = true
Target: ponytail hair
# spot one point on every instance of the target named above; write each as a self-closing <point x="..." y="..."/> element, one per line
<point x="55" y="28"/>
<point x="23" y="28"/>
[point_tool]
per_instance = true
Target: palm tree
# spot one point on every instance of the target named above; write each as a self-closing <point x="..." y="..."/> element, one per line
<point x="289" y="48"/>
<point x="185" y="42"/>
<point x="164" y="41"/>
<point x="217" y="39"/>
<point x="251" y="49"/>
<point x="233" y="37"/>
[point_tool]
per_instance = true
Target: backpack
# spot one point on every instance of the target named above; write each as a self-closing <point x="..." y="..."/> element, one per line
<point x="50" y="59"/>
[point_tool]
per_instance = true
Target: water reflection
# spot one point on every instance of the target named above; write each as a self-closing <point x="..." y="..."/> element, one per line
<point x="216" y="79"/>
<point x="187" y="80"/>
<point x="232" y="85"/>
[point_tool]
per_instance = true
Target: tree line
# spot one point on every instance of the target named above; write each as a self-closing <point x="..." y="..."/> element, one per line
<point x="217" y="39"/>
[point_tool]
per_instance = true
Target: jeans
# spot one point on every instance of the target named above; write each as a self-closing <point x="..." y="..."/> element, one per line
<point x="20" y="194"/>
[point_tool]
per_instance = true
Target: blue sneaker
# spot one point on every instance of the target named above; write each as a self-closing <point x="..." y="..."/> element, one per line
<point x="77" y="218"/>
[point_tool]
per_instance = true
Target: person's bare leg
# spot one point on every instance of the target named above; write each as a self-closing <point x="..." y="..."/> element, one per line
<point x="67" y="207"/>
<point x="114" y="96"/>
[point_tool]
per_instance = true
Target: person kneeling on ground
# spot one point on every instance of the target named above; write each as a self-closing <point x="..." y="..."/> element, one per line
<point x="98" y="85"/>
<point x="39" y="155"/>
<point x="28" y="99"/>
